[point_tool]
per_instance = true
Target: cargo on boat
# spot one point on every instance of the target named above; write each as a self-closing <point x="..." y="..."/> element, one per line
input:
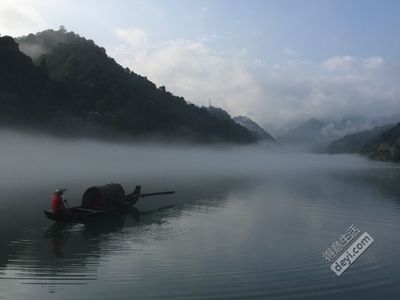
<point x="101" y="200"/>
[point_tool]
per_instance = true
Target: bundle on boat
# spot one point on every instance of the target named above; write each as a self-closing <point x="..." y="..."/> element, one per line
<point x="106" y="196"/>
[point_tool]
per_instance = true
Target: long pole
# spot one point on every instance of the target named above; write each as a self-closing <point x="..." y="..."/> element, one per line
<point x="156" y="194"/>
<point x="149" y="194"/>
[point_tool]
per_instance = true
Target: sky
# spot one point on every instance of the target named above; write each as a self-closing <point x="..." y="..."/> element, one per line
<point x="277" y="62"/>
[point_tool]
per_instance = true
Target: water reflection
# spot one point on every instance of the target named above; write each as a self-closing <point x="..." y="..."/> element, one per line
<point x="56" y="235"/>
<point x="234" y="239"/>
<point x="61" y="254"/>
<point x="60" y="234"/>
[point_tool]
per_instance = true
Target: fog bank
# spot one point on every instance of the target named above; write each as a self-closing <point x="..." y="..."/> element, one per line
<point x="37" y="160"/>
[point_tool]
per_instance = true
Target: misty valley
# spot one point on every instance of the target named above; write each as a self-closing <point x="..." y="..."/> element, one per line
<point x="199" y="150"/>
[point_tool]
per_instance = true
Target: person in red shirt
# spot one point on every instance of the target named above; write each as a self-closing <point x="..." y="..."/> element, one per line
<point x="57" y="202"/>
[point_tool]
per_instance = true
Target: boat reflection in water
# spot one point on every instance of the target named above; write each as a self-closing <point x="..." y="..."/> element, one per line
<point x="60" y="233"/>
<point x="70" y="253"/>
<point x="74" y="254"/>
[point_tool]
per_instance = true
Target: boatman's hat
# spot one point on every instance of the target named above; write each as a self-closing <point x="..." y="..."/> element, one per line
<point x="59" y="191"/>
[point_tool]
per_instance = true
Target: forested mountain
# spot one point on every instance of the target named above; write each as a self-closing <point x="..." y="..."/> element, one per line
<point x="218" y="113"/>
<point x="385" y="146"/>
<point x="73" y="87"/>
<point x="379" y="143"/>
<point x="34" y="45"/>
<point x="354" y="143"/>
<point x="26" y="92"/>
<point x="320" y="134"/>
<point x="259" y="132"/>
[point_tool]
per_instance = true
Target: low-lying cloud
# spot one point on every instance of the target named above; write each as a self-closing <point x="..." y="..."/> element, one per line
<point x="36" y="160"/>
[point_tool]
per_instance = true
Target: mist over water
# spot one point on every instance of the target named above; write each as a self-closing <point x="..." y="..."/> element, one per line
<point x="41" y="160"/>
<point x="247" y="223"/>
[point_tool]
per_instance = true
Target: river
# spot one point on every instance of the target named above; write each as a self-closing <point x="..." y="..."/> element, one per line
<point x="244" y="224"/>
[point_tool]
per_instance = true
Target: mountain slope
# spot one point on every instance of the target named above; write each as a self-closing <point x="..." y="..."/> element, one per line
<point x="385" y="146"/>
<point x="354" y="143"/>
<point x="309" y="132"/>
<point x="256" y="129"/>
<point x="218" y="113"/>
<point x="26" y="92"/>
<point x="93" y="91"/>
<point x="35" y="45"/>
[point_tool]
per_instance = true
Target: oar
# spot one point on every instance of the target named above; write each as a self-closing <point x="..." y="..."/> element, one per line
<point x="67" y="206"/>
<point x="150" y="194"/>
<point x="156" y="194"/>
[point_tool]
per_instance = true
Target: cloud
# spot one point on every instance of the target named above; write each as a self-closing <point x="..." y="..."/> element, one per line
<point x="19" y="18"/>
<point x="338" y="63"/>
<point x="374" y="62"/>
<point x="350" y="64"/>
<point x="336" y="87"/>
<point x="189" y="68"/>
<point x="134" y="37"/>
<point x="289" y="52"/>
<point x="274" y="95"/>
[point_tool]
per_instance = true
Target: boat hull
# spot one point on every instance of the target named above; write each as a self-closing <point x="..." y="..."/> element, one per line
<point x="77" y="214"/>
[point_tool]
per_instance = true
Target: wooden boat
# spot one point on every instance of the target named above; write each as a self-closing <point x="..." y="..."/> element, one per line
<point x="113" y="197"/>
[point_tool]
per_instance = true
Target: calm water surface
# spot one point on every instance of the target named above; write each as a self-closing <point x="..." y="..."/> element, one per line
<point x="239" y="237"/>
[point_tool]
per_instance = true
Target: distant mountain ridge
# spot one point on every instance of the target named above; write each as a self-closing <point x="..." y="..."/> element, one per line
<point x="315" y="135"/>
<point x="356" y="142"/>
<point x="72" y="85"/>
<point x="256" y="129"/>
<point x="379" y="143"/>
<point x="309" y="132"/>
<point x="386" y="146"/>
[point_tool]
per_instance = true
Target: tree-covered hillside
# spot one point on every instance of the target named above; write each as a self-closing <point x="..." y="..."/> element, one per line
<point x="27" y="95"/>
<point x="354" y="143"/>
<point x="73" y="86"/>
<point x="386" y="146"/>
<point x="259" y="132"/>
<point x="379" y="143"/>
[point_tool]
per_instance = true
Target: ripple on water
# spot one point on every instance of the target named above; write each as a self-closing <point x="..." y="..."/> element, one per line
<point x="240" y="247"/>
